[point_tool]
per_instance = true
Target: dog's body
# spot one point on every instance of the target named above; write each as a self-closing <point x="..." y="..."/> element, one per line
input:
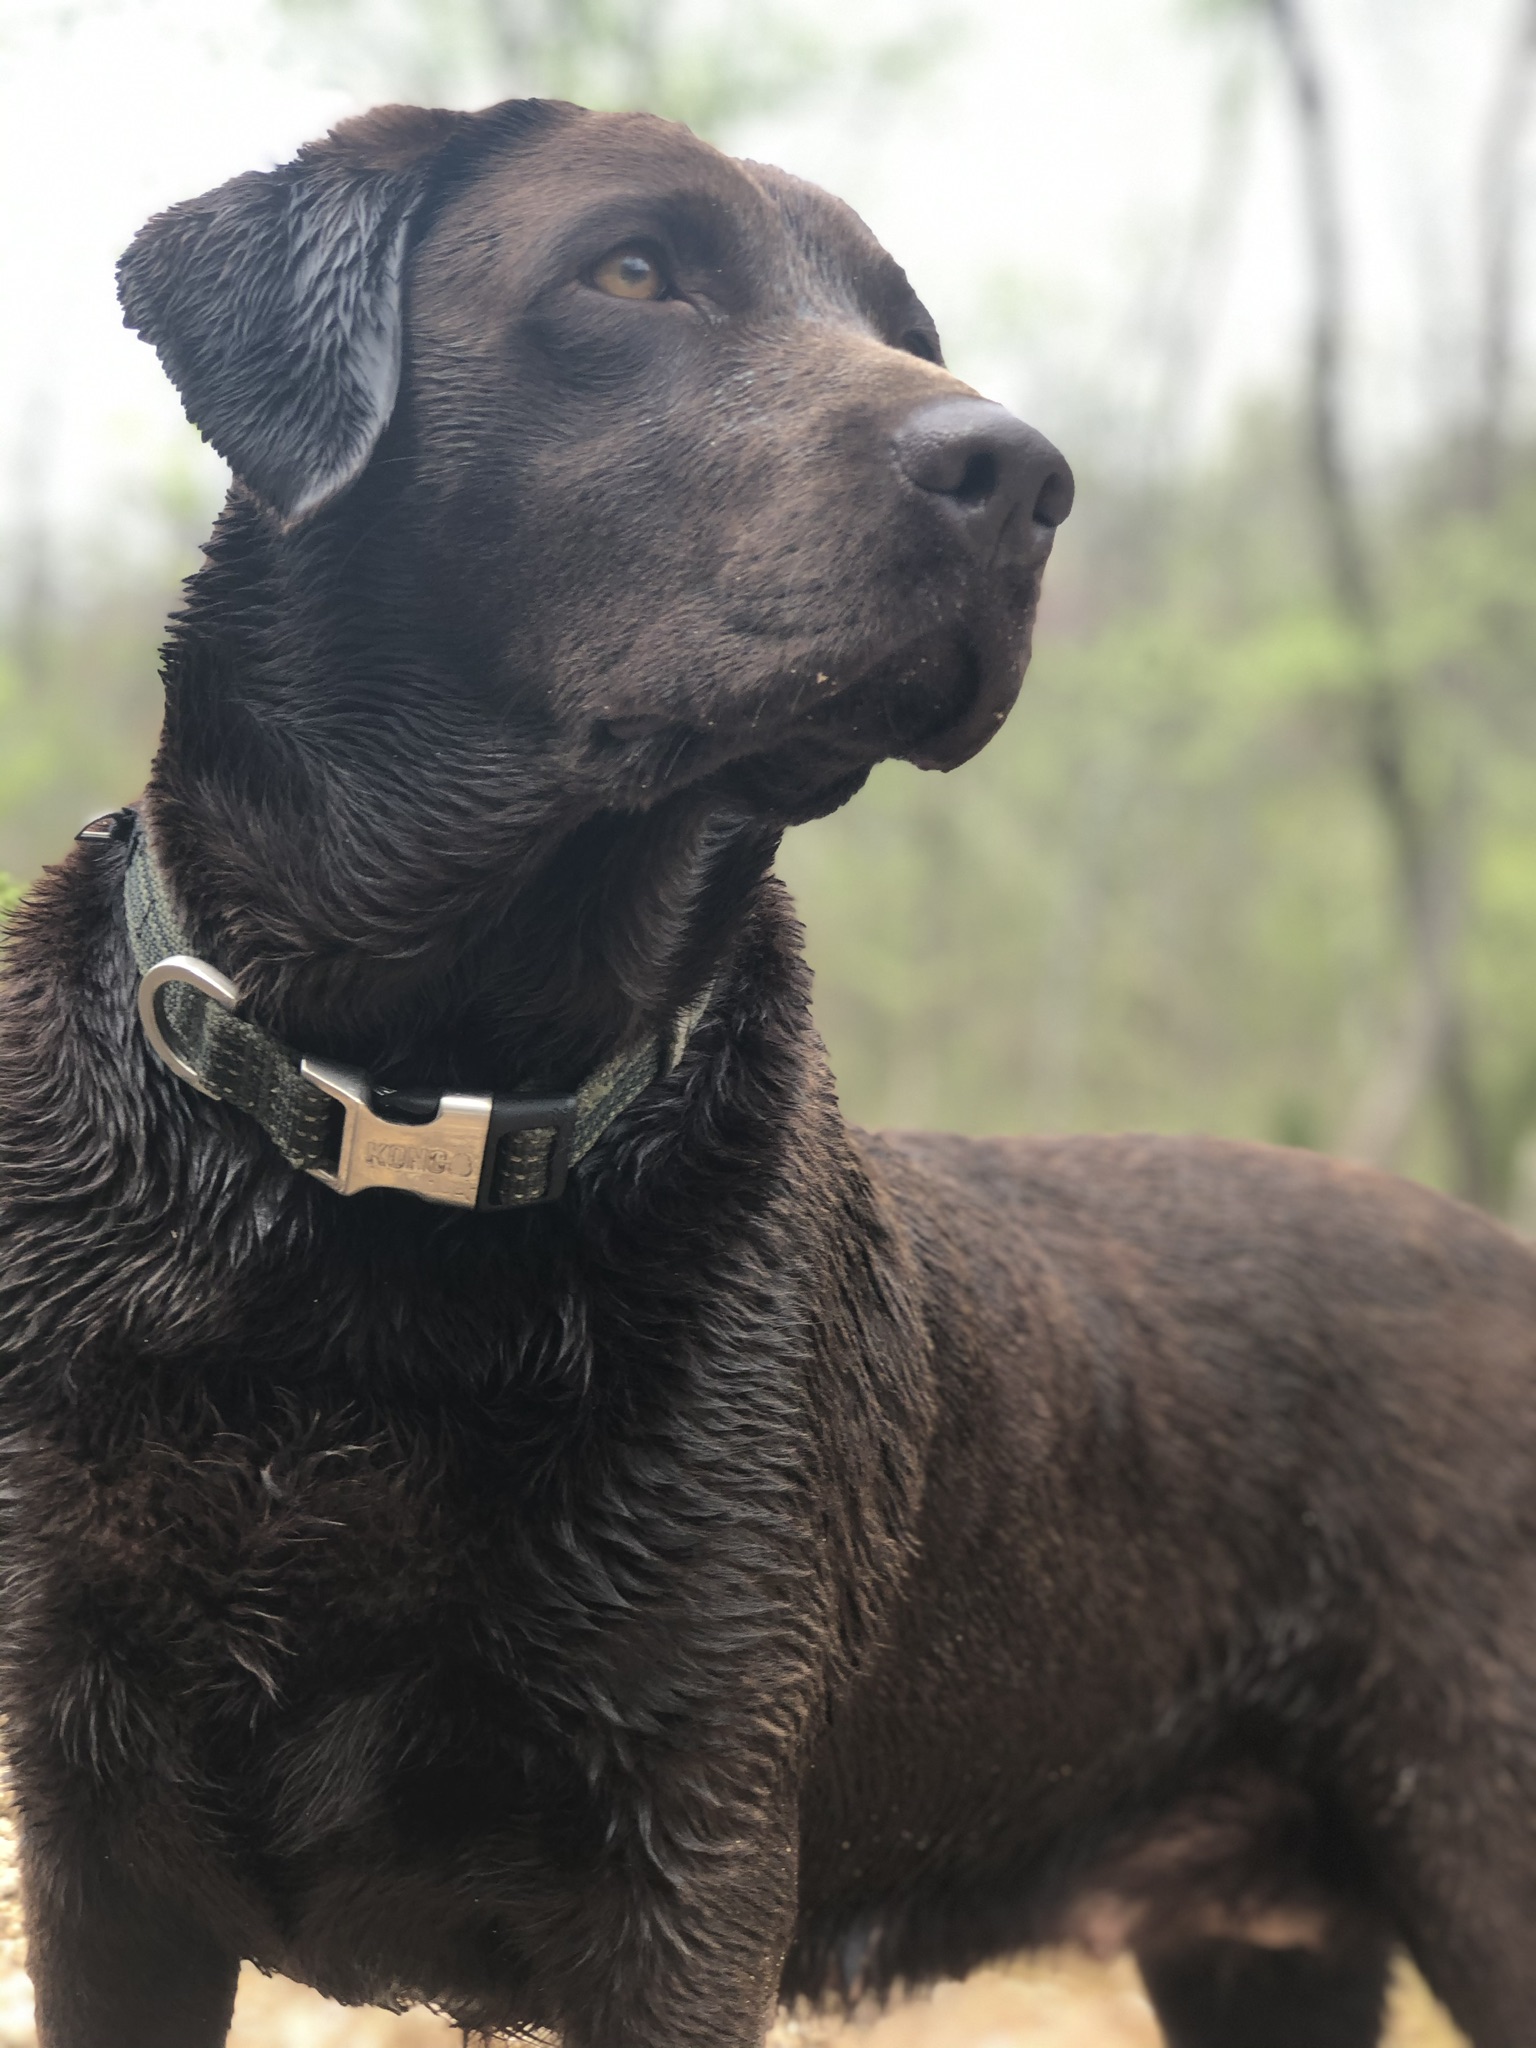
<point x="793" y="1560"/>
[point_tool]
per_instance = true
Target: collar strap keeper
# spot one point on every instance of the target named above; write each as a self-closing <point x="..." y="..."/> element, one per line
<point x="486" y="1152"/>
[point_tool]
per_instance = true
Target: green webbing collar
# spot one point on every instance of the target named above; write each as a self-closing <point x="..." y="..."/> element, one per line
<point x="474" y="1151"/>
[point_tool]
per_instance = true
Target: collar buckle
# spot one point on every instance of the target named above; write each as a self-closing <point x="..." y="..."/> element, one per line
<point x="456" y="1156"/>
<point x="442" y="1160"/>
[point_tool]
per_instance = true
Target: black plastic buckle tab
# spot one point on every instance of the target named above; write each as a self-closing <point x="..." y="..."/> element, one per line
<point x="110" y="827"/>
<point x="511" y="1113"/>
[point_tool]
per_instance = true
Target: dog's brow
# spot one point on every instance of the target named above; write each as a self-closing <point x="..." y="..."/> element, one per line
<point x="696" y="227"/>
<point x="887" y="289"/>
<point x="836" y="263"/>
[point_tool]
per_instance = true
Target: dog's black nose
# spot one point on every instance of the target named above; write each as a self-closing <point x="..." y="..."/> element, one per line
<point x="987" y="467"/>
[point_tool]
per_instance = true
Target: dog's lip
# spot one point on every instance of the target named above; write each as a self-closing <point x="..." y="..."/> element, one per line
<point x="978" y="691"/>
<point x="993" y="692"/>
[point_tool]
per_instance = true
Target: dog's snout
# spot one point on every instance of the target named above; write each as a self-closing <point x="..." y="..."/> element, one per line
<point x="987" y="466"/>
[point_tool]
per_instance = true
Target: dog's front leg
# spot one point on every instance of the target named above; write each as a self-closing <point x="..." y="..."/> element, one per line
<point x="113" y="1969"/>
<point x="694" y="1962"/>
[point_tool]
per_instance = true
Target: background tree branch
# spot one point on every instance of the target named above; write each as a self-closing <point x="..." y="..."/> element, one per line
<point x="1499" y="231"/>
<point x="1426" y="838"/>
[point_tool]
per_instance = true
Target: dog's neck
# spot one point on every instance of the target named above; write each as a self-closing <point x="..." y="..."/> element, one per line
<point x="395" y="873"/>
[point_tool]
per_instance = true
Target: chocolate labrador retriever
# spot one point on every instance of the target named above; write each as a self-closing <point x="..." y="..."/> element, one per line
<point x="509" y="1502"/>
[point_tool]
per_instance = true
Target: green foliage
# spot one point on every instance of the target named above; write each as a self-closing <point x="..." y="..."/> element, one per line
<point x="79" y="640"/>
<point x="78" y="719"/>
<point x="709" y="63"/>
<point x="1205" y="12"/>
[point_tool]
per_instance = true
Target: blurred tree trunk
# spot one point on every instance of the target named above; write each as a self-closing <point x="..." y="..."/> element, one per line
<point x="1499" y="198"/>
<point x="1312" y="109"/>
<point x="1426" y="840"/>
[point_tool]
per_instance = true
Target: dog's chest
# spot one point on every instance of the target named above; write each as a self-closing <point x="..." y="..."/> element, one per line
<point x="326" y="1627"/>
<point x="440" y="1664"/>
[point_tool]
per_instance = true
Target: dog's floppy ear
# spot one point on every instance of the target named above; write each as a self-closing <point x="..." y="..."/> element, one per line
<point x="274" y="303"/>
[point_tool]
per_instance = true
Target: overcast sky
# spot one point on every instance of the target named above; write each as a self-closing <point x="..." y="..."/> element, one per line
<point x="1104" y="233"/>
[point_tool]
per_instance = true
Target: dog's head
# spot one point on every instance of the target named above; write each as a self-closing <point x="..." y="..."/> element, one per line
<point x="662" y="443"/>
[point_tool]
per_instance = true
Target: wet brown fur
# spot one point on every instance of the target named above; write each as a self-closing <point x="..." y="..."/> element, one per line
<point x="798" y="1559"/>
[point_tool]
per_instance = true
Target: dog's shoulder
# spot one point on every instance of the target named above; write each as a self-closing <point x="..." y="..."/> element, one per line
<point x="1225" y="1278"/>
<point x="1220" y="1199"/>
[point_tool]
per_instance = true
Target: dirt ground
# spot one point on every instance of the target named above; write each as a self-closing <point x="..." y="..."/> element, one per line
<point x="1062" y="2002"/>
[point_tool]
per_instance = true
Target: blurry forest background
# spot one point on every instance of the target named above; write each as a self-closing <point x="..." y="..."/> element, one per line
<point x="1256" y="854"/>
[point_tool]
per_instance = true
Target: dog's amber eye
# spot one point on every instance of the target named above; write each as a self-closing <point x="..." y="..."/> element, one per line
<point x="630" y="274"/>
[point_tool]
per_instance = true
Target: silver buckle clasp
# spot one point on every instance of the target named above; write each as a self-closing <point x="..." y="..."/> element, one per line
<point x="440" y="1161"/>
<point x="196" y="974"/>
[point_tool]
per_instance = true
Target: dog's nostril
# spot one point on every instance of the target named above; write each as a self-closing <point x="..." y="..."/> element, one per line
<point x="978" y="480"/>
<point x="1054" y="500"/>
<point x="990" y="471"/>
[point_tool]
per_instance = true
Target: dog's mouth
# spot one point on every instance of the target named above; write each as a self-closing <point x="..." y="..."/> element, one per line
<point x="811" y="744"/>
<point x="936" y="705"/>
<point x="982" y="694"/>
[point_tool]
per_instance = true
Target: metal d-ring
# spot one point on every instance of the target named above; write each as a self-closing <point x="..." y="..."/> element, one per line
<point x="196" y="974"/>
